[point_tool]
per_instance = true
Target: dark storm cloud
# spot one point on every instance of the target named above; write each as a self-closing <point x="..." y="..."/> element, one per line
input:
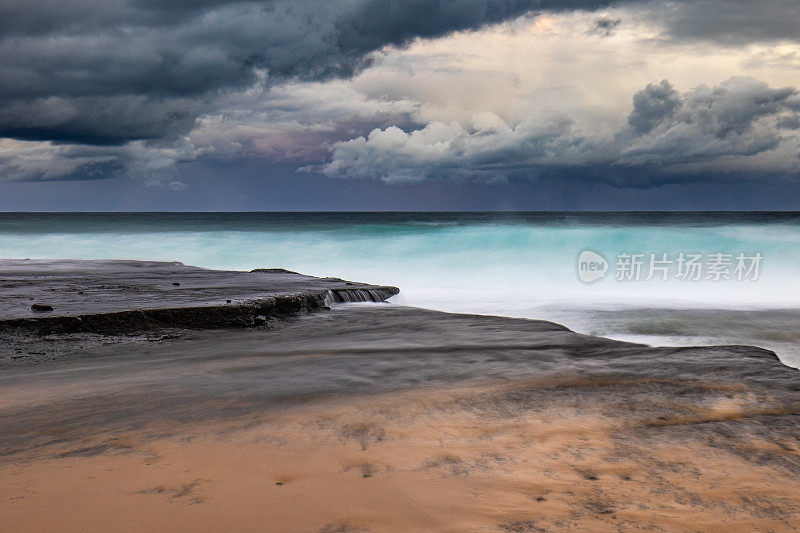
<point x="75" y="71"/>
<point x="129" y="78"/>
<point x="728" y="21"/>
<point x="99" y="120"/>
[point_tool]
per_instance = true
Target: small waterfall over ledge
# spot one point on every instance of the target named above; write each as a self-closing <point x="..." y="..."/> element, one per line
<point x="377" y="294"/>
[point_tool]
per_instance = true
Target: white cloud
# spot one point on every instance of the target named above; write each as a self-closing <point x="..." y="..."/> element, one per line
<point x="45" y="160"/>
<point x="296" y="121"/>
<point x="688" y="133"/>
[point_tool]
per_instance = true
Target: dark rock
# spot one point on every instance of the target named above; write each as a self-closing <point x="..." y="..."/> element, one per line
<point x="138" y="301"/>
<point x="275" y="271"/>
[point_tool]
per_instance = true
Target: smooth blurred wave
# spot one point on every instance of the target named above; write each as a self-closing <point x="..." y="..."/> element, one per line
<point x="510" y="264"/>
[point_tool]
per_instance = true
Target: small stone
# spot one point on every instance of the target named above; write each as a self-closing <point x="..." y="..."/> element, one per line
<point x="176" y="283"/>
<point x="41" y="308"/>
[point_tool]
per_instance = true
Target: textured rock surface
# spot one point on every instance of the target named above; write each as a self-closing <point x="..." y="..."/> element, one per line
<point x="391" y="418"/>
<point x="129" y="296"/>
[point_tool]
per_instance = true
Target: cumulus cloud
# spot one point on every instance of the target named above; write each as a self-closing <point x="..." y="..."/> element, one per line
<point x="91" y="89"/>
<point x="486" y="149"/>
<point x="705" y="129"/>
<point x="738" y="118"/>
<point x="652" y="105"/>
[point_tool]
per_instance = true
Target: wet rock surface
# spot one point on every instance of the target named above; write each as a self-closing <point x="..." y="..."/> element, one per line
<point x="193" y="375"/>
<point x="488" y="423"/>
<point x="47" y="297"/>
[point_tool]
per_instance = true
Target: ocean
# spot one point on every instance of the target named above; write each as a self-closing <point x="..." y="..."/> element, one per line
<point x="669" y="279"/>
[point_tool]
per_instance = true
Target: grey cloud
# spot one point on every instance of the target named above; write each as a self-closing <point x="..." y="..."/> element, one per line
<point x="101" y="120"/>
<point x="732" y="128"/>
<point x="789" y="122"/>
<point x="40" y="161"/>
<point x="123" y="53"/>
<point x="727" y="21"/>
<point x="605" y="26"/>
<point x="652" y="105"/>
<point x="739" y="117"/>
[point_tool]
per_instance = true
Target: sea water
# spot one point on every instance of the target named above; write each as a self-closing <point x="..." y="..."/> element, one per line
<point x="510" y="264"/>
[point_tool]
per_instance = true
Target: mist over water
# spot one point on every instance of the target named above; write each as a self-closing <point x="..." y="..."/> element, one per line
<point x="509" y="264"/>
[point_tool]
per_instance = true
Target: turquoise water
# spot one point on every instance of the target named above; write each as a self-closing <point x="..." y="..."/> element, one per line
<point x="512" y="264"/>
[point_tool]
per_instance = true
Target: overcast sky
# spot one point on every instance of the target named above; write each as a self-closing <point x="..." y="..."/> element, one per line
<point x="415" y="104"/>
